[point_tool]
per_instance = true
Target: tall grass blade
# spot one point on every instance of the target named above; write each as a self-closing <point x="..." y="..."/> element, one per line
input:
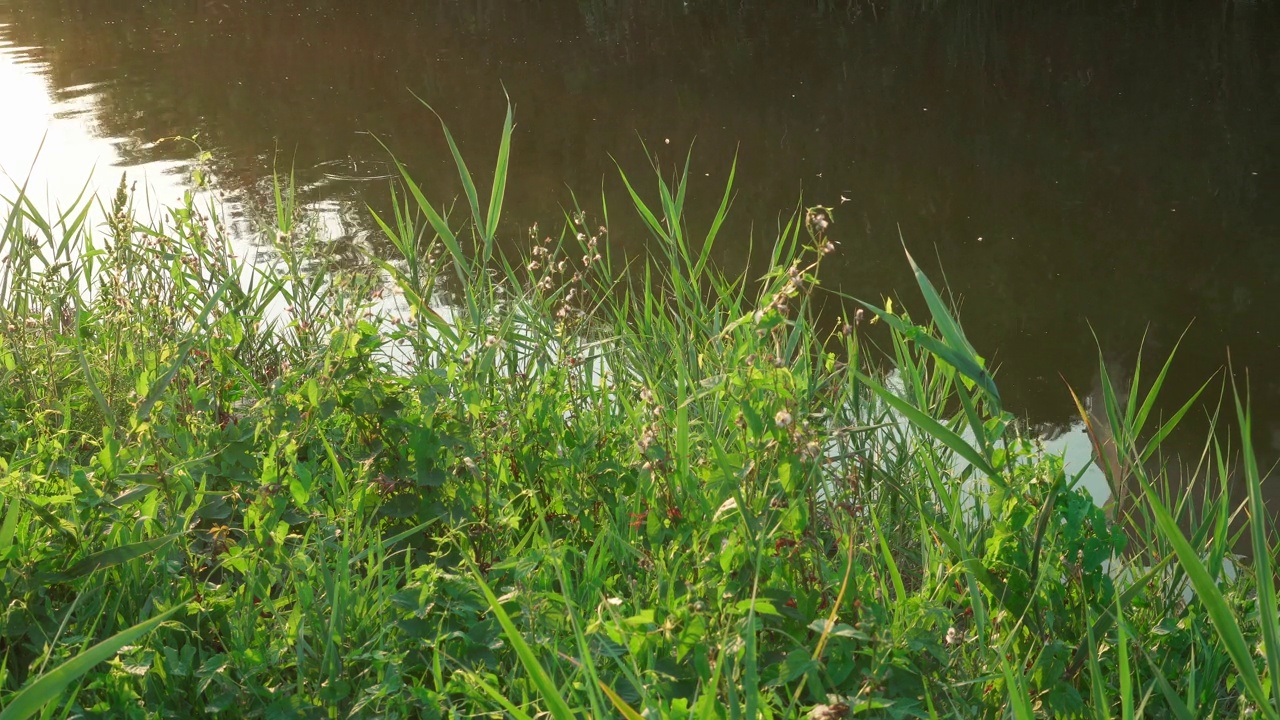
<point x="464" y="174"/>
<point x="1122" y="654"/>
<point x="952" y="334"/>
<point x="1210" y="596"/>
<point x="967" y="364"/>
<point x="937" y="430"/>
<point x="500" y="170"/>
<point x="1264" y="577"/>
<point x="1019" y="697"/>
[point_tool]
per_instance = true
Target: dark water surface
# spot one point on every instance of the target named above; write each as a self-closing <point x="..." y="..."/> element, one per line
<point x="1104" y="165"/>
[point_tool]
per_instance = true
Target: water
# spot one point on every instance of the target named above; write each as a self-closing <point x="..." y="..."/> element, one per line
<point x="1091" y="167"/>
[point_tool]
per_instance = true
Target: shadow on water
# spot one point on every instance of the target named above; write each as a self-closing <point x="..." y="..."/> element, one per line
<point x="1089" y="166"/>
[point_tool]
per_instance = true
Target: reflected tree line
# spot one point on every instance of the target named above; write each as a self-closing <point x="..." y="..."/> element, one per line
<point x="1085" y="163"/>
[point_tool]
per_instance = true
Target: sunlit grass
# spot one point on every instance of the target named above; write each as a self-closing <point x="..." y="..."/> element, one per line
<point x="583" y="489"/>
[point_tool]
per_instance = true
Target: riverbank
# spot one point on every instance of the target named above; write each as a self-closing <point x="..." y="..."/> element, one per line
<point x="587" y="489"/>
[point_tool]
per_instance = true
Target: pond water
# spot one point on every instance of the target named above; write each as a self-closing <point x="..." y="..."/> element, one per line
<point x="1088" y="167"/>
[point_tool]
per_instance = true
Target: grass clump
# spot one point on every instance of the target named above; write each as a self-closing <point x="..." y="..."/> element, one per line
<point x="558" y="484"/>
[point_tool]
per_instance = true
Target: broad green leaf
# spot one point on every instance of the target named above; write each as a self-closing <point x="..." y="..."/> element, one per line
<point x="115" y="556"/>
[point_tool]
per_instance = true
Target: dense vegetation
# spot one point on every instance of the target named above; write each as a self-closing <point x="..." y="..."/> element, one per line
<point x="460" y="483"/>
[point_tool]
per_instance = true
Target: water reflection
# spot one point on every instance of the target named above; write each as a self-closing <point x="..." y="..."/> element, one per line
<point x="1087" y="167"/>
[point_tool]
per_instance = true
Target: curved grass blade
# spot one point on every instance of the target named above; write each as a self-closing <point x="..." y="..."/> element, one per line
<point x="550" y="693"/>
<point x="464" y="174"/>
<point x="935" y="429"/>
<point x="725" y="202"/>
<point x="618" y="702"/>
<point x="50" y="685"/>
<point x="952" y="334"/>
<point x="1215" y="604"/>
<point x="966" y="364"/>
<point x="499" y="698"/>
<point x="645" y="213"/>
<point x="1154" y="443"/>
<point x="434" y="218"/>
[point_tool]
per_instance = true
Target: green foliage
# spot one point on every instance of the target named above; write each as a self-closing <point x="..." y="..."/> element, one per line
<point x="459" y="482"/>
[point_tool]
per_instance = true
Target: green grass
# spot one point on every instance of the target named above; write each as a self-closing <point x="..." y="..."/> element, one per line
<point x="568" y="484"/>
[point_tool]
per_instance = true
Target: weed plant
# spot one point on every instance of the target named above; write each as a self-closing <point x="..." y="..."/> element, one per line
<point x="563" y="484"/>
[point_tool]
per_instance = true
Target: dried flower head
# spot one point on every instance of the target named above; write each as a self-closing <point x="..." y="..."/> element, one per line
<point x="834" y="711"/>
<point x="954" y="637"/>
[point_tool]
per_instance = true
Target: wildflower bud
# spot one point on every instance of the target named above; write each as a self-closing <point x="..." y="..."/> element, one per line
<point x="857" y="317"/>
<point x="534" y="265"/>
<point x="828" y="247"/>
<point x="782" y="419"/>
<point x="646" y="395"/>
